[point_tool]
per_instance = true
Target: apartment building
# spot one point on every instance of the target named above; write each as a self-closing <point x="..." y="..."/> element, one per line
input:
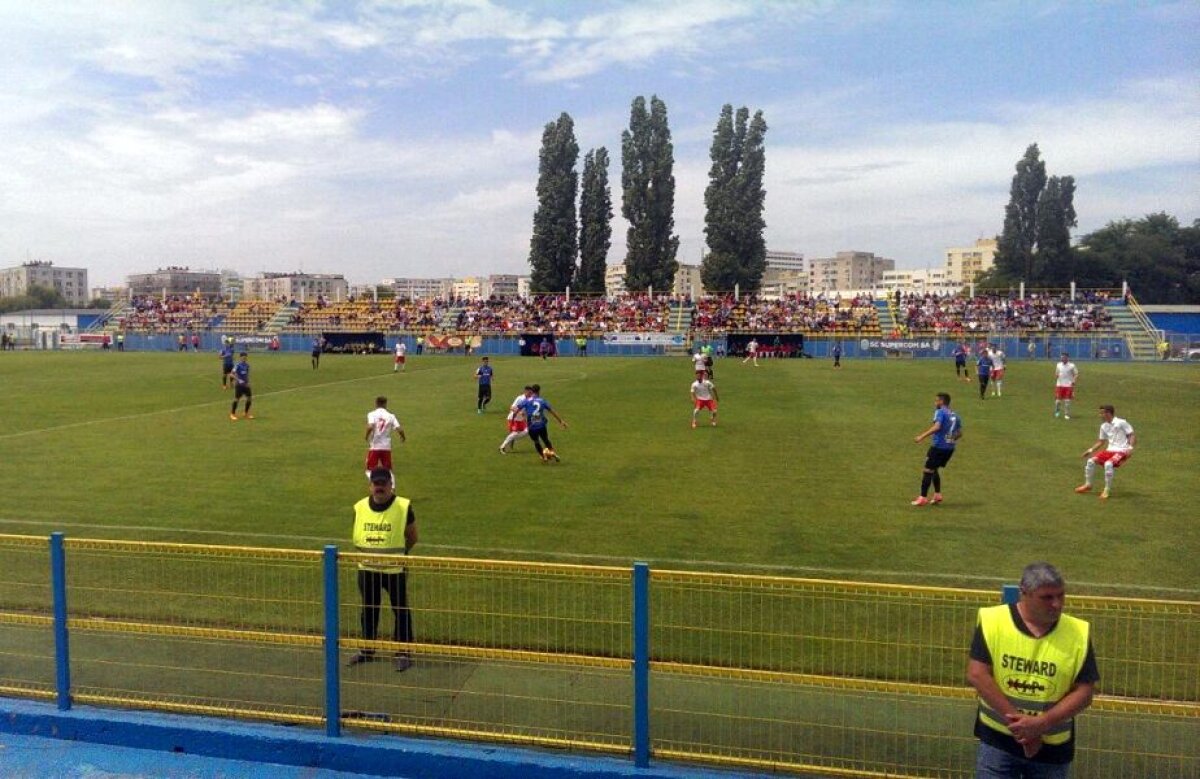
<point x="71" y="283"/>
<point x="965" y="263"/>
<point x="421" y="289"/>
<point x="847" y="271"/>
<point x="297" y="286"/>
<point x="175" y="280"/>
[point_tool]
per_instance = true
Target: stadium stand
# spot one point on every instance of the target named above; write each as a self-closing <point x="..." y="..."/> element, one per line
<point x="1089" y="313"/>
<point x="960" y="315"/>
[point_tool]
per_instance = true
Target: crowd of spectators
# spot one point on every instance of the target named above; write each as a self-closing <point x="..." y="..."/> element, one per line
<point x="557" y="314"/>
<point x="921" y="314"/>
<point x="150" y="314"/>
<point x="791" y="314"/>
<point x="914" y="314"/>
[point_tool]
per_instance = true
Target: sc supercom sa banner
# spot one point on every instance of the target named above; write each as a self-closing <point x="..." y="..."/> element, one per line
<point x="896" y="345"/>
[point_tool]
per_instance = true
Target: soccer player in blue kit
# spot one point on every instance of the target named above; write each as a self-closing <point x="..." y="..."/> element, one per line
<point x="484" y="374"/>
<point x="946" y="430"/>
<point x="960" y="362"/>
<point x="241" y="387"/>
<point x="535" y="410"/>
<point x="226" y="362"/>
<point x="983" y="367"/>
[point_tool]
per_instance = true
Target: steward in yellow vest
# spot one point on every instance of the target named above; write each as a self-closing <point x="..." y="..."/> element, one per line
<point x="385" y="524"/>
<point x="1034" y="669"/>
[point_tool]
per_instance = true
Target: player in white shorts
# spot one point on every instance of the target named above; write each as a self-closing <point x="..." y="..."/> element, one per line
<point x="518" y="426"/>
<point x="401" y="352"/>
<point x="1065" y="376"/>
<point x="997" y="372"/>
<point x="704" y="396"/>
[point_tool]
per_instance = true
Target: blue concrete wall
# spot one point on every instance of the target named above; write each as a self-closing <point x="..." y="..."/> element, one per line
<point x="366" y="754"/>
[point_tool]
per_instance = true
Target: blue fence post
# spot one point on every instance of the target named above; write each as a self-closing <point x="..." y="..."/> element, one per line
<point x="641" y="665"/>
<point x="333" y="681"/>
<point x="1010" y="594"/>
<point x="62" y="653"/>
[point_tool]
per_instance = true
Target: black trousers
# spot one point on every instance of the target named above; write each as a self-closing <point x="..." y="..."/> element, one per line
<point x="371" y="585"/>
<point x="540" y="439"/>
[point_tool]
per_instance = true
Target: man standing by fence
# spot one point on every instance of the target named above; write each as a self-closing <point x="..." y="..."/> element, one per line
<point x="1034" y="669"/>
<point x="384" y="524"/>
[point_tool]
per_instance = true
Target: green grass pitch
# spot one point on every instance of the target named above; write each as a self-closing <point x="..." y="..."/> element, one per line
<point x="809" y="472"/>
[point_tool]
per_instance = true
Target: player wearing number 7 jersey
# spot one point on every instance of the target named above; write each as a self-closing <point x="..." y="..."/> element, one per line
<point x="381" y="424"/>
<point x="946" y="430"/>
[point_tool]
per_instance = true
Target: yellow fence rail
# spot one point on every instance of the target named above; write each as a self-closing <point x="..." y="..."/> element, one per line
<point x="834" y="677"/>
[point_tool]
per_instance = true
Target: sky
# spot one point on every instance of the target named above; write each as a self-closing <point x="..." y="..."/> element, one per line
<point x="394" y="138"/>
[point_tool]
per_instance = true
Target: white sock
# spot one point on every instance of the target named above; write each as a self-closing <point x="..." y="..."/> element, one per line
<point x="1088" y="470"/>
<point x="1108" y="475"/>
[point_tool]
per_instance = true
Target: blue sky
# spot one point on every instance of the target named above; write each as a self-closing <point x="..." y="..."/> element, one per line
<point x="400" y="138"/>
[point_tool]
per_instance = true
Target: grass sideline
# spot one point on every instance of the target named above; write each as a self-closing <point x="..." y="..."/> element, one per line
<point x="809" y="473"/>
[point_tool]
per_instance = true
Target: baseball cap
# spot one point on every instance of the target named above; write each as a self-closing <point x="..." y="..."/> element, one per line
<point x="381" y="474"/>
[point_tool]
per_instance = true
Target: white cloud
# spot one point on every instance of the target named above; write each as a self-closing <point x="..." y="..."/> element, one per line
<point x="901" y="192"/>
<point x="138" y="134"/>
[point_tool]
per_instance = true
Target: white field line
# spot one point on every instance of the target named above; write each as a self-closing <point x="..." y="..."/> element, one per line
<point x="177" y="409"/>
<point x="206" y="404"/>
<point x="543" y="555"/>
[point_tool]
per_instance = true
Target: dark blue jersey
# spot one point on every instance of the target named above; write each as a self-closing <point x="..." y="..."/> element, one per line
<point x="227" y="356"/>
<point x="484" y="373"/>
<point x="985" y="365"/>
<point x="949" y="428"/>
<point x="535" y="409"/>
<point x="241" y="373"/>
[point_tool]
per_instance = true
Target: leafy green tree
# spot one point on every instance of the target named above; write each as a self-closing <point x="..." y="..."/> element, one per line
<point x="734" y="202"/>
<point x="1159" y="259"/>
<point x="553" y="247"/>
<point x="648" y="202"/>
<point x="595" y="222"/>
<point x="1014" y="253"/>
<point x="1055" y="260"/>
<point x="37" y="296"/>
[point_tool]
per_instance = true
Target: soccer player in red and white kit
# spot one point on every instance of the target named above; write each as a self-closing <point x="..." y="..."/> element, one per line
<point x="517" y="424"/>
<point x="401" y="351"/>
<point x="1065" y="376"/>
<point x="704" y="396"/>
<point x="381" y="424"/>
<point x="1116" y="440"/>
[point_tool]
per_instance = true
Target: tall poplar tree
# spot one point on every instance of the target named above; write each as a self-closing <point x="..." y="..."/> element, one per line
<point x="595" y="222"/>
<point x="1055" y="259"/>
<point x="648" y="202"/>
<point x="1014" y="252"/>
<point x="734" y="202"/>
<point x="553" y="247"/>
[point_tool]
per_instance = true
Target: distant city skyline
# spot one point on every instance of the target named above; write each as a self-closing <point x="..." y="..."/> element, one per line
<point x="401" y="139"/>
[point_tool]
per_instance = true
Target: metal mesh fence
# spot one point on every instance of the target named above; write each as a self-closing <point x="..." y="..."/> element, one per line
<point x="833" y="677"/>
<point x="26" y="638"/>
<point x="519" y="652"/>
